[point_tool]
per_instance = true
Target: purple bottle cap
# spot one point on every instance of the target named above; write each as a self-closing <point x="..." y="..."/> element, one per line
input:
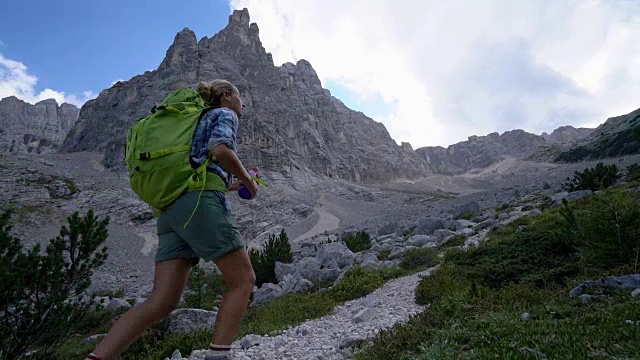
<point x="244" y="192"/>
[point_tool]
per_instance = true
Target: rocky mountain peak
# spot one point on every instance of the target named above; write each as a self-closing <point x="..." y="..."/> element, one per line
<point x="39" y="128"/>
<point x="183" y="47"/>
<point x="239" y="20"/>
<point x="566" y="134"/>
<point x="48" y="102"/>
<point x="291" y="123"/>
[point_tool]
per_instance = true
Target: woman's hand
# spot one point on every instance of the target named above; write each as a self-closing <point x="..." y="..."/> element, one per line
<point x="235" y="185"/>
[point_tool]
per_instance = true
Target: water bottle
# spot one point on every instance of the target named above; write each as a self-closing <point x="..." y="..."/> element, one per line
<point x="243" y="191"/>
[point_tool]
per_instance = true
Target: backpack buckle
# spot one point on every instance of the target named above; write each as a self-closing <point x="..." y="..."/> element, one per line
<point x="145" y="155"/>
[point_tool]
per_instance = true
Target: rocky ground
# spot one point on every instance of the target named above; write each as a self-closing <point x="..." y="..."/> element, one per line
<point x="45" y="189"/>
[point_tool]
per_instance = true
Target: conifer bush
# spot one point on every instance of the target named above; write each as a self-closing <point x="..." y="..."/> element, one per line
<point x="600" y="177"/>
<point x="633" y="173"/>
<point x="360" y="241"/>
<point x="203" y="288"/>
<point x="41" y="297"/>
<point x="264" y="261"/>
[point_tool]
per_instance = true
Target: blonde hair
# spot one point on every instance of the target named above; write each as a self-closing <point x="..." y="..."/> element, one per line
<point x="212" y="93"/>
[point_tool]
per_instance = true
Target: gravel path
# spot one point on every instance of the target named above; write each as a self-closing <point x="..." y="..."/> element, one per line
<point x="332" y="336"/>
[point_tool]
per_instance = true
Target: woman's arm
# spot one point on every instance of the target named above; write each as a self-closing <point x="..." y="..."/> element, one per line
<point x="229" y="160"/>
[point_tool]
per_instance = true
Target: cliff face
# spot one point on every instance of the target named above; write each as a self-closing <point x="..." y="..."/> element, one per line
<point x="567" y="134"/>
<point x="291" y="123"/>
<point x="39" y="128"/>
<point x="480" y="151"/>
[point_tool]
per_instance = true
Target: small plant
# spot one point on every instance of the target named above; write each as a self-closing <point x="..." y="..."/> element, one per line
<point x="119" y="293"/>
<point x="610" y="231"/>
<point x="264" y="262"/>
<point x="633" y="173"/>
<point x="594" y="179"/>
<point x="409" y="233"/>
<point x="203" y="288"/>
<point x="41" y="302"/>
<point x="421" y="257"/>
<point x="546" y="202"/>
<point x="469" y="215"/>
<point x="360" y="241"/>
<point x="457" y="240"/>
<point x="384" y="255"/>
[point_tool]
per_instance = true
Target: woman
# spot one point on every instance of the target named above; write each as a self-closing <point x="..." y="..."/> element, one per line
<point x="212" y="234"/>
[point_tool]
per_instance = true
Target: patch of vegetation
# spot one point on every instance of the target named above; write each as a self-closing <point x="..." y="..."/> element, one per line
<point x="36" y="313"/>
<point x="119" y="293"/>
<point x="384" y="255"/>
<point x="409" y="233"/>
<point x="420" y="258"/>
<point x="263" y="262"/>
<point x="454" y="241"/>
<point x="600" y="177"/>
<point x="71" y="185"/>
<point x="476" y="297"/>
<point x="545" y="203"/>
<point x="361" y="241"/>
<point x="633" y="173"/>
<point x="505" y="208"/>
<point x="469" y="215"/>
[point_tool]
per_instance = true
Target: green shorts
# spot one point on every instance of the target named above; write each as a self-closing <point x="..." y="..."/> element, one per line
<point x="211" y="233"/>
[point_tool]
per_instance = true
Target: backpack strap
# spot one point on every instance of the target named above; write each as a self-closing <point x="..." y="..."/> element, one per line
<point x="158" y="153"/>
<point x="202" y="170"/>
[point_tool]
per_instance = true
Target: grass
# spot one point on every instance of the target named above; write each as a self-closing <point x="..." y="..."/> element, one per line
<point x="505" y="208"/>
<point x="456" y="240"/>
<point x="384" y="255"/>
<point x="420" y="257"/>
<point x="476" y="298"/>
<point x="469" y="215"/>
<point x="119" y="293"/>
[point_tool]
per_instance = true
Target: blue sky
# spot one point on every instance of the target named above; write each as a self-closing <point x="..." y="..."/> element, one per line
<point x="433" y="72"/>
<point x="78" y="45"/>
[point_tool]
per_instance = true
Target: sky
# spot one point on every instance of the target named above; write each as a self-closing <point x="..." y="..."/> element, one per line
<point x="433" y="72"/>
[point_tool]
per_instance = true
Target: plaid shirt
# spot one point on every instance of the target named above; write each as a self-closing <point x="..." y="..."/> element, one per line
<point x="217" y="126"/>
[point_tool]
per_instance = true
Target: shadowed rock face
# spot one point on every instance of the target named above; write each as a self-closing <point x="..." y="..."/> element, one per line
<point x="617" y="136"/>
<point x="34" y="129"/>
<point x="291" y="123"/>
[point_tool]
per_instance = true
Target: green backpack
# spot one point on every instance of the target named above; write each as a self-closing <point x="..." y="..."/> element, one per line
<point x="158" y="150"/>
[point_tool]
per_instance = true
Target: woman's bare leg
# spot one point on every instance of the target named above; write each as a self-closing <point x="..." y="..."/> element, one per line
<point x="239" y="280"/>
<point x="169" y="281"/>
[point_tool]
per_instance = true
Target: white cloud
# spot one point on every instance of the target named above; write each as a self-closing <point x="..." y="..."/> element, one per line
<point x="15" y="80"/>
<point x="448" y="70"/>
